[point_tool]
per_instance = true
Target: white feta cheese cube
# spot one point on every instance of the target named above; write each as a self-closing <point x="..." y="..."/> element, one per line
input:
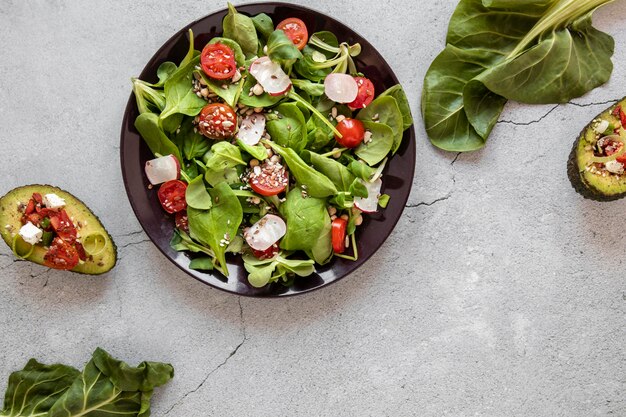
<point x="31" y="233"/>
<point x="53" y="201"/>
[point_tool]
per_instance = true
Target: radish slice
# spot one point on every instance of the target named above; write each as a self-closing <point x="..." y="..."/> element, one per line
<point x="162" y="169"/>
<point x="369" y="204"/>
<point x="265" y="232"/>
<point x="341" y="88"/>
<point x="251" y="129"/>
<point x="271" y="76"/>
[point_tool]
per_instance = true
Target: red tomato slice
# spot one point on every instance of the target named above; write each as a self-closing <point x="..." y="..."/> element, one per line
<point x="269" y="178"/>
<point x="61" y="255"/>
<point x="218" y="61"/>
<point x="30" y="208"/>
<point x="365" y="95"/>
<point x="352" y="133"/>
<point x="182" y="221"/>
<point x="217" y="121"/>
<point x="63" y="226"/>
<point x="338" y="234"/>
<point x="37" y="197"/>
<point x="80" y="249"/>
<point x="267" y="253"/>
<point x="172" y="196"/>
<point x="621" y="158"/>
<point x="296" y="30"/>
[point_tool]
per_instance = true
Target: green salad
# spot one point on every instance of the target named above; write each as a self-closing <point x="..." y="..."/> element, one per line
<point x="269" y="143"/>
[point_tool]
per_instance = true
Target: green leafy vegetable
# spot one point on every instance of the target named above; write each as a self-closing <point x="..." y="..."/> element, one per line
<point x="203" y="263"/>
<point x="197" y="196"/>
<point x="147" y="124"/>
<point x="241" y="29"/>
<point x="382" y="141"/>
<point x="257" y="151"/>
<point x="398" y="93"/>
<point x="385" y="110"/>
<point x="105" y="387"/>
<point x="317" y="184"/>
<point x="287" y="128"/>
<point x="311" y="88"/>
<point x="193" y="144"/>
<point x="263" y="24"/>
<point x="148" y="99"/>
<point x="223" y="155"/>
<point x="179" y="95"/>
<point x="281" y="49"/>
<point x="225" y="89"/>
<point x="529" y="51"/>
<point x="217" y="226"/>
<point x="338" y="173"/>
<point x="305" y="218"/>
<point x="262" y="272"/>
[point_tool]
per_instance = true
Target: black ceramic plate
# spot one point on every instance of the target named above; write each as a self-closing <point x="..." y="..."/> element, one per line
<point x="159" y="226"/>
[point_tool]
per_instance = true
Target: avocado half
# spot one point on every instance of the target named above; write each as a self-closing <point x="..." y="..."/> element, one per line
<point x="10" y="224"/>
<point x="587" y="184"/>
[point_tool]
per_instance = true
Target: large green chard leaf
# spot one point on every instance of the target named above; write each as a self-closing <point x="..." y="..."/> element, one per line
<point x="34" y="390"/>
<point x="219" y="225"/>
<point x="532" y="51"/>
<point x="111" y="387"/>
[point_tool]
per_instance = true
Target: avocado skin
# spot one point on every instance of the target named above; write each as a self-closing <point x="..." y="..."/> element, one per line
<point x="586" y="190"/>
<point x="44" y="189"/>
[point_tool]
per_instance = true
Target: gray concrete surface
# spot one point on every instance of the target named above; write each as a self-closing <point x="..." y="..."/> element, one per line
<point x="500" y="293"/>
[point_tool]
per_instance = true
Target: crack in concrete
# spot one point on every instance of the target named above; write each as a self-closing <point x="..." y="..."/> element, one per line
<point x="129" y="234"/>
<point x="133" y="243"/>
<point x="599" y="103"/>
<point x="428" y="204"/>
<point x="455" y="158"/>
<point x="232" y="353"/>
<point x="532" y="121"/>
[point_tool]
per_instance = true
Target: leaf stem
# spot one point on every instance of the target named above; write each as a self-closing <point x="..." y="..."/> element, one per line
<point x="295" y="97"/>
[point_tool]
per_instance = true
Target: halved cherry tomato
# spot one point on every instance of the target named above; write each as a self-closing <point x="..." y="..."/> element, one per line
<point x="621" y="158"/>
<point x="30" y="207"/>
<point x="182" y="221"/>
<point x="352" y="131"/>
<point x="267" y="253"/>
<point x="365" y="95"/>
<point x="338" y="234"/>
<point x="296" y="30"/>
<point x="217" y="121"/>
<point x="172" y="196"/>
<point x="63" y="226"/>
<point x="218" y="61"/>
<point x="61" y="255"/>
<point x="37" y="197"/>
<point x="269" y="178"/>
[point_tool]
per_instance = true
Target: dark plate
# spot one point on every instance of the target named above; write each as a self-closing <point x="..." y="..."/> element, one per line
<point x="397" y="180"/>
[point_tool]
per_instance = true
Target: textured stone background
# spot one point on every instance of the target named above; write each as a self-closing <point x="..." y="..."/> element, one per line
<point x="500" y="293"/>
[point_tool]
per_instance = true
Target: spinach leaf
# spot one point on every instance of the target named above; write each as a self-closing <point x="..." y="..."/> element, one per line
<point x="148" y="99"/>
<point x="311" y="88"/>
<point x="382" y="141"/>
<point x="191" y="51"/>
<point x="223" y="155"/>
<point x="305" y="218"/>
<point x="384" y="109"/>
<point x="383" y="200"/>
<point x="263" y="24"/>
<point x="240" y="28"/>
<point x="203" y="263"/>
<point x="361" y="170"/>
<point x="338" y="173"/>
<point x="319" y="134"/>
<point x="287" y="128"/>
<point x="165" y="71"/>
<point x="358" y="189"/>
<point x="322" y="250"/>
<point x="34" y="390"/>
<point x="240" y="58"/>
<point x="496" y="50"/>
<point x="317" y="184"/>
<point x="108" y="386"/>
<point x="147" y="124"/>
<point x="217" y="226"/>
<point x="281" y="49"/>
<point x="193" y="144"/>
<point x="306" y="66"/>
<point x="225" y="89"/>
<point x="229" y="176"/>
<point x="181" y="241"/>
<point x="262" y="272"/>
<point x="398" y="93"/>
<point x="197" y="195"/>
<point x="251" y="100"/>
<point x="179" y="95"/>
<point x="257" y="151"/>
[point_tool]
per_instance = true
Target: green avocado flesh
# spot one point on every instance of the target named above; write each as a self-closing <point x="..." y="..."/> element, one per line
<point x="10" y="223"/>
<point x="587" y="183"/>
